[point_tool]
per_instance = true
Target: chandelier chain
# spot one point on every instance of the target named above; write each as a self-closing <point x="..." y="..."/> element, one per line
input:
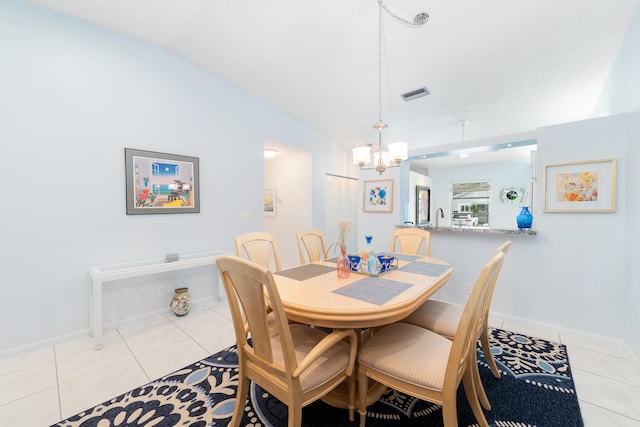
<point x="380" y="62"/>
<point x="384" y="159"/>
<point x="418" y="20"/>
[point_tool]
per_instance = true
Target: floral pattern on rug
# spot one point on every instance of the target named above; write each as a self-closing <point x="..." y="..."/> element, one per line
<point x="199" y="394"/>
<point x="203" y="395"/>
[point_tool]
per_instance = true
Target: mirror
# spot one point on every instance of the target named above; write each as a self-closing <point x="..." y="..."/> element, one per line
<point x="498" y="173"/>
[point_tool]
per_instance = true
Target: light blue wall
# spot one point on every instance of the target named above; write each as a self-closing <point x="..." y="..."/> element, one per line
<point x="621" y="94"/>
<point x="73" y="97"/>
<point x="572" y="273"/>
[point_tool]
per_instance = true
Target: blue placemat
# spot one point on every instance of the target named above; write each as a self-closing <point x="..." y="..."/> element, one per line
<point x="373" y="289"/>
<point x="403" y="257"/>
<point x="427" y="268"/>
<point x="305" y="272"/>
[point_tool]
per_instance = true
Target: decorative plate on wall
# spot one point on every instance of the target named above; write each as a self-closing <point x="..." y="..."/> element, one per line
<point x="511" y="196"/>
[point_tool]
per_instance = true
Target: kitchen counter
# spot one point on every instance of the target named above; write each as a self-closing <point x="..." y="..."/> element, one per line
<point x="432" y="229"/>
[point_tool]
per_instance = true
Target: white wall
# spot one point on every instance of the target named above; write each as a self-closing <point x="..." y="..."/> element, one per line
<point x="291" y="176"/>
<point x="572" y="274"/>
<point x="621" y="94"/>
<point x="378" y="224"/>
<point x="632" y="247"/>
<point x="73" y="97"/>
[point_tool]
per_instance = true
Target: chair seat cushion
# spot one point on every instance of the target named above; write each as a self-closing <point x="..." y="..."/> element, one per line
<point x="410" y="353"/>
<point x="437" y="316"/>
<point x="327" y="366"/>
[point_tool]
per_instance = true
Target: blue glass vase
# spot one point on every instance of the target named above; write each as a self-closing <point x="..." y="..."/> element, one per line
<point x="524" y="218"/>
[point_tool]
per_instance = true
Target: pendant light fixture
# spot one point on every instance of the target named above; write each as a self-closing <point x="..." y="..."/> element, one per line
<point x="398" y="150"/>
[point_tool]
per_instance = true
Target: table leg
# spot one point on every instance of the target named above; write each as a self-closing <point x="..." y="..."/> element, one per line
<point x="339" y="397"/>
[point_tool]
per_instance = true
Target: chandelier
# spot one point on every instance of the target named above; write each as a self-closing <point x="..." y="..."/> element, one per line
<point x="398" y="150"/>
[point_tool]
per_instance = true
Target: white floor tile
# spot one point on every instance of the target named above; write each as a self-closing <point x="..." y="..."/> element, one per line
<point x="216" y="339"/>
<point x="22" y="413"/>
<point x="170" y="358"/>
<point x="199" y="321"/>
<point x="26" y="382"/>
<point x="85" y="343"/>
<point x="88" y="361"/>
<point x="26" y="360"/>
<point x="92" y="389"/>
<point x="606" y="375"/>
<point x="495" y="321"/>
<point x="154" y="336"/>
<point x="606" y="393"/>
<point x="141" y="326"/>
<point x="221" y="307"/>
<point x="594" y="416"/>
<point x="532" y="329"/>
<point x="597" y="343"/>
<point x="623" y="370"/>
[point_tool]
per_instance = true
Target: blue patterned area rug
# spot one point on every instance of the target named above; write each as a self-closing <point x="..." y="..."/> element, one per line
<point x="535" y="390"/>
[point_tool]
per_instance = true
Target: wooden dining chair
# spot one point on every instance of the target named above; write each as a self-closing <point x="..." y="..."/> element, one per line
<point x="311" y="242"/>
<point x="426" y="365"/>
<point x="410" y="240"/>
<point x="260" y="248"/>
<point x="297" y="364"/>
<point x="443" y="318"/>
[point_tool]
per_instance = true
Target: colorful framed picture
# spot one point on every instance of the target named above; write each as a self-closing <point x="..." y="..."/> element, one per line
<point x="270" y="202"/>
<point x="423" y="205"/>
<point x="588" y="186"/>
<point x="378" y="196"/>
<point x="161" y="183"/>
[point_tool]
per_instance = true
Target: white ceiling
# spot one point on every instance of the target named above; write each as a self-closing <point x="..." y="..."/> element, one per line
<point x="504" y="66"/>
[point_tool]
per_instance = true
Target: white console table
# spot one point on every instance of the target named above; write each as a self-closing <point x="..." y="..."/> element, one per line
<point x="101" y="275"/>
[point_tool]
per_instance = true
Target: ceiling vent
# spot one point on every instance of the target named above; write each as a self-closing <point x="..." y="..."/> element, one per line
<point x="418" y="93"/>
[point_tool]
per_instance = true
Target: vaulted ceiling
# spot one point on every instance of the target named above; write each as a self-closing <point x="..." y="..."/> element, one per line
<point x="501" y="66"/>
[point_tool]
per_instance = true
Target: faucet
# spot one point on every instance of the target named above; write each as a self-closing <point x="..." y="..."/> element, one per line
<point x="439" y="214"/>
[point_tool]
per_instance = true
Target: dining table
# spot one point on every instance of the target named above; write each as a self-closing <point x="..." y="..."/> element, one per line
<point x="313" y="294"/>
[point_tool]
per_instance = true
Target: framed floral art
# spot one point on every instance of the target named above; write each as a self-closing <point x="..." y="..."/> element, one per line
<point x="378" y="196"/>
<point x="588" y="186"/>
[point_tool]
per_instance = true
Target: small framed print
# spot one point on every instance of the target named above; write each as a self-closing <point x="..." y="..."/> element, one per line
<point x="588" y="186"/>
<point x="270" y="202"/>
<point x="378" y="196"/>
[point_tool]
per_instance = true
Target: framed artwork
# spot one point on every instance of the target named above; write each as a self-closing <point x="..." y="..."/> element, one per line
<point x="161" y="183"/>
<point x="270" y="202"/>
<point x="423" y="205"/>
<point x="588" y="186"/>
<point x="378" y="196"/>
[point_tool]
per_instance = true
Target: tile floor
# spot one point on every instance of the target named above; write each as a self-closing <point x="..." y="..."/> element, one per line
<point x="44" y="386"/>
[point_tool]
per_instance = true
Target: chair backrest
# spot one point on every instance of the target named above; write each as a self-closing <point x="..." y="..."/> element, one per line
<point x="252" y="293"/>
<point x="505" y="247"/>
<point x="464" y="341"/>
<point x="410" y="240"/>
<point x="260" y="248"/>
<point x="311" y="242"/>
<point x="484" y="320"/>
